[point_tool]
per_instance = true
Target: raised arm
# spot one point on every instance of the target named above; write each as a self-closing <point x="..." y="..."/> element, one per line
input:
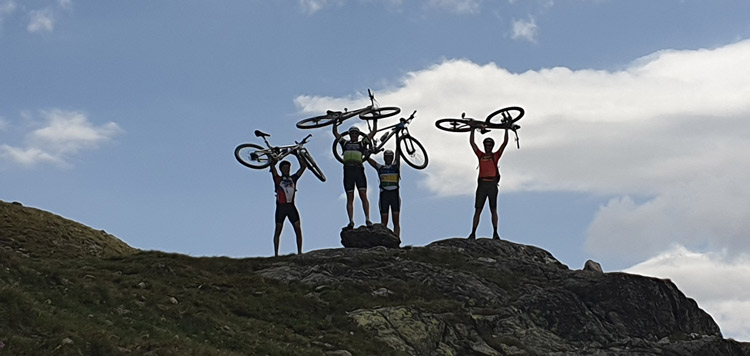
<point x="302" y="165"/>
<point x="373" y="163"/>
<point x="336" y="129"/>
<point x="505" y="143"/>
<point x="471" y="140"/>
<point x="274" y="172"/>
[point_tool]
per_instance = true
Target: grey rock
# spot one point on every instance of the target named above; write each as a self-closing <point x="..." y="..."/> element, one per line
<point x="593" y="266"/>
<point x="367" y="237"/>
<point x="495" y="297"/>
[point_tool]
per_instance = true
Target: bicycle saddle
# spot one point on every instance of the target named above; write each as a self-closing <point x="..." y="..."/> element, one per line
<point x="260" y="133"/>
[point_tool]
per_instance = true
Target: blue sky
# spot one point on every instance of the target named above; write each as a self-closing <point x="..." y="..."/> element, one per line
<point x="124" y="116"/>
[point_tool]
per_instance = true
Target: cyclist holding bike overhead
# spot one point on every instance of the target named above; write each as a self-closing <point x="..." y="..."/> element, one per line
<point x="487" y="182"/>
<point x="286" y="189"/>
<point x="389" y="174"/>
<point x="355" y="153"/>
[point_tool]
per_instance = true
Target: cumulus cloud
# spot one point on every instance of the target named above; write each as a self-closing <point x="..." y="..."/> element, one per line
<point x="6" y="8"/>
<point x="665" y="137"/>
<point x="717" y="280"/>
<point x="456" y="6"/>
<point x="525" y="30"/>
<point x="41" y="20"/>
<point x="44" y="19"/>
<point x="61" y="135"/>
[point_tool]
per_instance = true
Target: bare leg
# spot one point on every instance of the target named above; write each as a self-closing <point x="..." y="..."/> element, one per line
<point x="365" y="203"/>
<point x="276" y="239"/>
<point x="298" y="232"/>
<point x="396" y="224"/>
<point x="350" y="206"/>
<point x="384" y="219"/>
<point x="475" y="224"/>
<point x="494" y="223"/>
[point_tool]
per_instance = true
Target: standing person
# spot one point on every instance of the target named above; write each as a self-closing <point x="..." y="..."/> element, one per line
<point x="488" y="180"/>
<point x="390" y="199"/>
<point x="355" y="151"/>
<point x="286" y="190"/>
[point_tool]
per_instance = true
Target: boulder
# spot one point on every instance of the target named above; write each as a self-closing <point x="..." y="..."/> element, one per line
<point x="369" y="236"/>
<point x="593" y="266"/>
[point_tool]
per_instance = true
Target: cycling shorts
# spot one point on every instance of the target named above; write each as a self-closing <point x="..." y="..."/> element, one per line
<point x="354" y="176"/>
<point x="390" y="199"/>
<point x="486" y="190"/>
<point x="286" y="210"/>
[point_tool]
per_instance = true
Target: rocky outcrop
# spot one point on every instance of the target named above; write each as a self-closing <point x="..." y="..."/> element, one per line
<point x="369" y="236"/>
<point x="494" y="297"/>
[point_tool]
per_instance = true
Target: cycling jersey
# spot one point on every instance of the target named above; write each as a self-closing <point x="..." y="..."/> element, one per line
<point x="389" y="175"/>
<point x="488" y="170"/>
<point x="286" y="186"/>
<point x="354" y="152"/>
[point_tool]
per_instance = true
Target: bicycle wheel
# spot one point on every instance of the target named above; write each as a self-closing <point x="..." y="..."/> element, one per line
<point x="311" y="165"/>
<point x="454" y="125"/>
<point x="252" y="156"/>
<point x="316" y="121"/>
<point x="505" y="116"/>
<point x="338" y="150"/>
<point x="380" y="113"/>
<point x="412" y="152"/>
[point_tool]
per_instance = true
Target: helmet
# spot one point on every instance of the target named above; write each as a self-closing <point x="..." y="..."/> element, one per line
<point x="354" y="129"/>
<point x="388" y="153"/>
<point x="488" y="141"/>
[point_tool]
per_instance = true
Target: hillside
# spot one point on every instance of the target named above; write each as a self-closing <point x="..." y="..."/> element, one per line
<point x="67" y="289"/>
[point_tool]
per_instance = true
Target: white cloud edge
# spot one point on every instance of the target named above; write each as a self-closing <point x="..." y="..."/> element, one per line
<point x="59" y="136"/>
<point x="716" y="280"/>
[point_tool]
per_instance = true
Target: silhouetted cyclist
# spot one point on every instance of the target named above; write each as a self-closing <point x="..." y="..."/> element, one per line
<point x="355" y="152"/>
<point x="390" y="200"/>
<point x="286" y="189"/>
<point x="488" y="180"/>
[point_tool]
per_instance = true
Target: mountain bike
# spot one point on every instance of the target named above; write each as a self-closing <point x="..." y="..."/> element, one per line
<point x="504" y="118"/>
<point x="411" y="150"/>
<point x="370" y="112"/>
<point x="256" y="157"/>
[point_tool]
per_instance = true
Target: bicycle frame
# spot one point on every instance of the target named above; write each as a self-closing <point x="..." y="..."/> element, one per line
<point x="343" y="115"/>
<point x="280" y="152"/>
<point x="399" y="130"/>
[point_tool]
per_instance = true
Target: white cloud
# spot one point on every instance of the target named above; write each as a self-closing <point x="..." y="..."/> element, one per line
<point x="525" y="30"/>
<point x="313" y="6"/>
<point x="666" y="137"/>
<point x="62" y="135"/>
<point x="65" y="4"/>
<point x="456" y="6"/>
<point x="6" y="8"/>
<point x="717" y="281"/>
<point x="41" y="20"/>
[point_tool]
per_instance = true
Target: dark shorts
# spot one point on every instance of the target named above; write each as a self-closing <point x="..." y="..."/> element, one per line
<point x="354" y="176"/>
<point x="390" y="199"/>
<point x="286" y="210"/>
<point x="486" y="190"/>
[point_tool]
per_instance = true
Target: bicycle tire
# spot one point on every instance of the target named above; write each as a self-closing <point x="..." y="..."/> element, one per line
<point x="244" y="154"/>
<point x="454" y="125"/>
<point x="380" y="113"/>
<point x="311" y="165"/>
<point x="338" y="152"/>
<point x="508" y="116"/>
<point x="413" y="153"/>
<point x="315" y="122"/>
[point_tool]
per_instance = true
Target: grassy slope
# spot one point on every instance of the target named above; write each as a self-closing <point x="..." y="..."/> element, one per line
<point x="69" y="289"/>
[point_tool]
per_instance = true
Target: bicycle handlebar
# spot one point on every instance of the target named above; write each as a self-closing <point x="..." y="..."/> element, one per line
<point x="304" y="140"/>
